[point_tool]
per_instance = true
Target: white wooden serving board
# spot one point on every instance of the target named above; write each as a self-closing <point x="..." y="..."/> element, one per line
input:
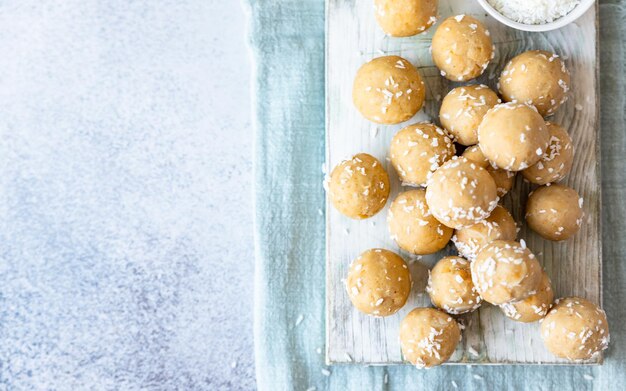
<point x="575" y="266"/>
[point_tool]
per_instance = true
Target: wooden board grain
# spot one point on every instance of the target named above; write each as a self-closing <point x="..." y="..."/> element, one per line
<point x="574" y="266"/>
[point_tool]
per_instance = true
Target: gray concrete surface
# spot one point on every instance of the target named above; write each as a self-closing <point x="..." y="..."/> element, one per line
<point x="126" y="258"/>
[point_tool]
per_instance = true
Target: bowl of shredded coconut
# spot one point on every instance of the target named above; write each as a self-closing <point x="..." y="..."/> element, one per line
<point x="536" y="15"/>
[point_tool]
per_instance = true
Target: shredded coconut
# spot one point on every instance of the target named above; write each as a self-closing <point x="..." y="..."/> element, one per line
<point x="534" y="11"/>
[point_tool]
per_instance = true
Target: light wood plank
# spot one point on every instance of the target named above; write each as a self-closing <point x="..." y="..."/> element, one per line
<point x="574" y="266"/>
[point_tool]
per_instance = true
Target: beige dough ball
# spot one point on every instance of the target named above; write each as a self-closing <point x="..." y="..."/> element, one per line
<point x="538" y="78"/>
<point x="418" y="150"/>
<point x="462" y="48"/>
<point x="404" y="18"/>
<point x="388" y="90"/>
<point x="534" y="307"/>
<point x="379" y="282"/>
<point x="451" y="288"/>
<point x="428" y="337"/>
<point x="556" y="162"/>
<point x="506" y="271"/>
<point x="460" y="193"/>
<point x="513" y="136"/>
<point x="499" y="225"/>
<point x="463" y="109"/>
<point x="504" y="179"/>
<point x="359" y="187"/>
<point x="474" y="154"/>
<point x="412" y="225"/>
<point x="555" y="212"/>
<point x="575" y="329"/>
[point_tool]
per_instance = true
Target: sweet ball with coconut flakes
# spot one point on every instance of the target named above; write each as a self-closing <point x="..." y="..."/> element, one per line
<point x="428" y="337"/>
<point x="378" y="282"/>
<point x="461" y="193"/>
<point x="388" y="90"/>
<point x="359" y="187"/>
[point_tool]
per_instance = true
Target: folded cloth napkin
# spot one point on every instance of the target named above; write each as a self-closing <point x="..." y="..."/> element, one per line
<point x="287" y="42"/>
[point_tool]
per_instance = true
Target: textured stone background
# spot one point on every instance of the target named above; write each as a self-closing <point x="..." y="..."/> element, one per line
<point x="126" y="256"/>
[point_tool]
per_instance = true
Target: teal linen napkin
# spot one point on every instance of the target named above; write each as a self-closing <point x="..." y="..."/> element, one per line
<point x="287" y="42"/>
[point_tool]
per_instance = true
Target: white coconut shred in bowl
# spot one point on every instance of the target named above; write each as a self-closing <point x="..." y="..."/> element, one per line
<point x="534" y="11"/>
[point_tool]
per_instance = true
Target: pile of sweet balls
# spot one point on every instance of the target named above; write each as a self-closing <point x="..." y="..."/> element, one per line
<point x="456" y="197"/>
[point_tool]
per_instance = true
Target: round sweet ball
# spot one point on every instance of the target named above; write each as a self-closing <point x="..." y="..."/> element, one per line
<point x="534" y="307"/>
<point x="537" y="78"/>
<point x="388" y="90"/>
<point x="474" y="154"/>
<point x="463" y="109"/>
<point x="500" y="225"/>
<point x="461" y="193"/>
<point x="555" y="212"/>
<point x="404" y="18"/>
<point x="359" y="187"/>
<point x="504" y="179"/>
<point x="418" y="150"/>
<point x="451" y="288"/>
<point x="506" y="271"/>
<point x="575" y="329"/>
<point x="379" y="282"/>
<point x="428" y="337"/>
<point x="513" y="136"/>
<point x="412" y="225"/>
<point x="556" y="161"/>
<point x="462" y="48"/>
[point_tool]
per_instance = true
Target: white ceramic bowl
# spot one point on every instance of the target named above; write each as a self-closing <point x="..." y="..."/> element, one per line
<point x="577" y="12"/>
